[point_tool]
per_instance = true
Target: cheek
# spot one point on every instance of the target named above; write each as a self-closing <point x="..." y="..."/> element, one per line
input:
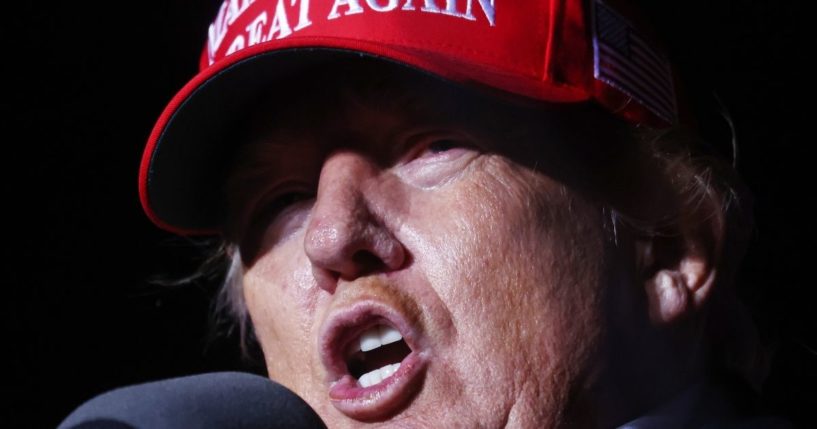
<point x="281" y="298"/>
<point x="500" y="236"/>
<point x="504" y="255"/>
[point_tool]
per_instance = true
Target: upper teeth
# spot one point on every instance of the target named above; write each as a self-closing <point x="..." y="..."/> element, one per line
<point x="379" y="336"/>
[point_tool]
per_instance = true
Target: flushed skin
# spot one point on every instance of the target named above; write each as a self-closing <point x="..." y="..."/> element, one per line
<point x="503" y="276"/>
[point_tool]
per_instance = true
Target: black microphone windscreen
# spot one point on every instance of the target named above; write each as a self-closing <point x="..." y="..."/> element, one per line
<point x="214" y="400"/>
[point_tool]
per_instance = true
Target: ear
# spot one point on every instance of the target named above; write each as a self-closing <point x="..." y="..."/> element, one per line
<point x="679" y="270"/>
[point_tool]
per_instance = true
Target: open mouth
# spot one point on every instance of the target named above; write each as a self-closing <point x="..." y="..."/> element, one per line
<point x="373" y="359"/>
<point x="376" y="355"/>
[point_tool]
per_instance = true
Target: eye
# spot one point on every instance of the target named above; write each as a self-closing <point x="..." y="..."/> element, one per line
<point x="268" y="211"/>
<point x="440" y="149"/>
<point x="274" y="219"/>
<point x="442" y="145"/>
<point x="437" y="158"/>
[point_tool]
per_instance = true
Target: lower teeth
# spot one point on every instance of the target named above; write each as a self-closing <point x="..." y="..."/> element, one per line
<point x="373" y="377"/>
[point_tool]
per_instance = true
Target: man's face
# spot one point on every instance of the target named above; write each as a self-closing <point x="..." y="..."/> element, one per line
<point x="432" y="238"/>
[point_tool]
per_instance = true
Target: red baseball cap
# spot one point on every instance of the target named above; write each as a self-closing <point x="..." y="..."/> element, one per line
<point x="559" y="51"/>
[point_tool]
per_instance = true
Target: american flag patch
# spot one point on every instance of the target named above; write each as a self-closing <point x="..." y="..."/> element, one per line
<point x="625" y="60"/>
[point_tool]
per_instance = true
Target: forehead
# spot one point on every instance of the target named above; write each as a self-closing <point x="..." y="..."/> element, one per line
<point x="365" y="104"/>
<point x="368" y="105"/>
<point x="368" y="96"/>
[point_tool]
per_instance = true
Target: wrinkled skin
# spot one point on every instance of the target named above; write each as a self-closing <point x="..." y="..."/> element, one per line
<point x="501" y="268"/>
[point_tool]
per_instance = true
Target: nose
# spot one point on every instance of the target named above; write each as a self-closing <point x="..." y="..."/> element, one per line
<point x="345" y="238"/>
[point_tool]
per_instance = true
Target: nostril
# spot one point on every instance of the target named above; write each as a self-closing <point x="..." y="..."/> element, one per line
<point x="366" y="262"/>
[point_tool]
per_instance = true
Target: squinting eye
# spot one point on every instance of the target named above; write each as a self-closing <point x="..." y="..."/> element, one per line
<point x="443" y="148"/>
<point x="268" y="212"/>
<point x="436" y="158"/>
<point x="442" y="145"/>
<point x="282" y="202"/>
<point x="277" y="216"/>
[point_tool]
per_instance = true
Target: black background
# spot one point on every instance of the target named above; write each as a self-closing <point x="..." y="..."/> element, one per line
<point x="85" y="81"/>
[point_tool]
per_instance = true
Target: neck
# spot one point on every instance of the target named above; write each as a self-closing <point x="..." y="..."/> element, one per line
<point x="650" y="374"/>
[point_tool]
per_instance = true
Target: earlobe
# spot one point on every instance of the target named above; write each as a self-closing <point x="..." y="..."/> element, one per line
<point x="667" y="298"/>
<point x="699" y="275"/>
<point x="677" y="281"/>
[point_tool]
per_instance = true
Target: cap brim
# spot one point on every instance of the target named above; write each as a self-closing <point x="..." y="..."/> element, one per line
<point x="183" y="164"/>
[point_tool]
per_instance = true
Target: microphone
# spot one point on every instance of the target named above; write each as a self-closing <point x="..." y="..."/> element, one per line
<point x="214" y="400"/>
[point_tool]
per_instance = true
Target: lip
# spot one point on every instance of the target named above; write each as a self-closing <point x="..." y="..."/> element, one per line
<point x="391" y="394"/>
